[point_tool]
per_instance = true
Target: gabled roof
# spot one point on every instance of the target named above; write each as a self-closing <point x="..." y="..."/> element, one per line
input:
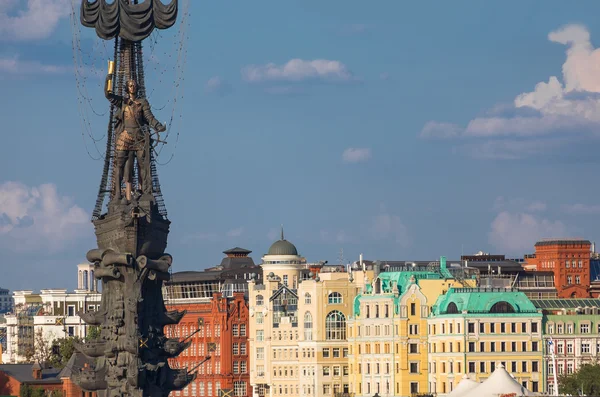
<point x="23" y="373"/>
<point x="280" y="291"/>
<point x="75" y="363"/>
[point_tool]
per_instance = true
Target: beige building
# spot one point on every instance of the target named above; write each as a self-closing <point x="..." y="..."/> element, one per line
<point x="298" y="341"/>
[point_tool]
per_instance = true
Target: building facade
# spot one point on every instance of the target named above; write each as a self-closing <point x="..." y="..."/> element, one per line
<point x="387" y="333"/>
<point x="569" y="260"/>
<point x="215" y="323"/>
<point x="6" y="301"/>
<point x="45" y="316"/>
<point x="298" y="334"/>
<point x="571" y="335"/>
<point x="473" y="330"/>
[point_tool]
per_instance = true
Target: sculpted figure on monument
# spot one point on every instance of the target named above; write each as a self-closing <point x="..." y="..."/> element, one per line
<point x="132" y="138"/>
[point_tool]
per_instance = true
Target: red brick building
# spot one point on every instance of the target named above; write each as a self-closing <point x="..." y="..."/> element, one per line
<point x="569" y="260"/>
<point x="14" y="376"/>
<point x="220" y="331"/>
<point x="217" y="323"/>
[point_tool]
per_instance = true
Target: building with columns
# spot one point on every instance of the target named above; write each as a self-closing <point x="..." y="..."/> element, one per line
<point x="298" y="320"/>
<point x="45" y="316"/>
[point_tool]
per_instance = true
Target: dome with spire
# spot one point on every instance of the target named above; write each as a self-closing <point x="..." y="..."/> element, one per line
<point x="282" y="247"/>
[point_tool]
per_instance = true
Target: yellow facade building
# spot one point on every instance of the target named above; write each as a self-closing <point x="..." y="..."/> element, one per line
<point x="474" y="330"/>
<point x="387" y="333"/>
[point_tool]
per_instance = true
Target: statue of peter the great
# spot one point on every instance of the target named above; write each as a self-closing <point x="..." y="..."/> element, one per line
<point x="132" y="139"/>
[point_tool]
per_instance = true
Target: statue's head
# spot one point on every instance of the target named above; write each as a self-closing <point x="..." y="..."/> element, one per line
<point x="131" y="87"/>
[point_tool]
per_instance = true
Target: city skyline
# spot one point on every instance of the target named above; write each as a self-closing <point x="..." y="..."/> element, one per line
<point x="316" y="116"/>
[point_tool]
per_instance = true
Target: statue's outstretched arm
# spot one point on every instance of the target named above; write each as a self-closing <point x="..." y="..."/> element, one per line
<point x="152" y="121"/>
<point x="114" y="99"/>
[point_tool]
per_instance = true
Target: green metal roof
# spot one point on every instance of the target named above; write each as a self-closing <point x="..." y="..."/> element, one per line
<point x="565" y="303"/>
<point x="480" y="301"/>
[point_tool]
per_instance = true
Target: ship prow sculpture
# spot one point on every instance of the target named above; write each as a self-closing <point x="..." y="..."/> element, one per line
<point x="131" y="225"/>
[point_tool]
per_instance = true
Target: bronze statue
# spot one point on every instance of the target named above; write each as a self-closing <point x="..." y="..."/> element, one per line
<point x="133" y="140"/>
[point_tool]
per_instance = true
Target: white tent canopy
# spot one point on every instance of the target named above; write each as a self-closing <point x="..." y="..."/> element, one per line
<point x="500" y="382"/>
<point x="463" y="387"/>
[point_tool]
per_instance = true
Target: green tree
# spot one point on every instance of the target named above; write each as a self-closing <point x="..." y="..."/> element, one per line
<point x="586" y="380"/>
<point x="25" y="391"/>
<point x="93" y="333"/>
<point x="62" y="351"/>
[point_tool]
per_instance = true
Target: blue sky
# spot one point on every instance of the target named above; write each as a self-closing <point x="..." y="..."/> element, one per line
<point x="394" y="129"/>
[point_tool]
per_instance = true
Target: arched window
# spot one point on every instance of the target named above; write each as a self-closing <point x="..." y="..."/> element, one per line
<point x="502" y="307"/>
<point x="452" y="308"/>
<point x="259" y="300"/>
<point x="335" y="297"/>
<point x="335" y="326"/>
<point x="307" y="326"/>
<point x="307" y="299"/>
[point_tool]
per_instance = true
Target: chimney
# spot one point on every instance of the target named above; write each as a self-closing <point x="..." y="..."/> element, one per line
<point x="36" y="370"/>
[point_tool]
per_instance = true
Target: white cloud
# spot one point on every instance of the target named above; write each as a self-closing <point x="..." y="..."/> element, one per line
<point x="388" y="226"/>
<point x="297" y="70"/>
<point x="336" y="237"/>
<point x="15" y="66"/>
<point x="36" y="20"/>
<point x="216" y="85"/>
<point x="518" y="204"/>
<point x="356" y="155"/>
<point x="569" y="108"/>
<point x="38" y="218"/>
<point x="516" y="233"/>
<point x="582" y="209"/>
<point x="235" y="232"/>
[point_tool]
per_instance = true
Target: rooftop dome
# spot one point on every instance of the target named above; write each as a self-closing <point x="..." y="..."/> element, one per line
<point x="282" y="247"/>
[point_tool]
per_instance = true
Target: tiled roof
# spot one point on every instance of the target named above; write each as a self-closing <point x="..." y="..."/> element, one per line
<point x="24" y="374"/>
<point x="565" y="303"/>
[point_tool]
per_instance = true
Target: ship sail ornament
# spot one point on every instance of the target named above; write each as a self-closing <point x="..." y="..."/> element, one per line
<point x="131" y="355"/>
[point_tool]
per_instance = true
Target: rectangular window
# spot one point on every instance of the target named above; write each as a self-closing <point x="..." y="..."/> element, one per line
<point x="513" y="328"/>
<point x="235" y="330"/>
<point x="413" y="309"/>
<point x="492" y="366"/>
<point x="492" y="328"/>
<point x="534" y="327"/>
<point x="471" y="328"/>
<point x="70" y="311"/>
<point x="513" y="346"/>
<point x="585" y="347"/>
<point x="482" y="367"/>
<point x="534" y="346"/>
<point x="570" y="348"/>
<point x="502" y="327"/>
<point x="325" y="352"/>
<point x="471" y="347"/>
<point x="524" y="366"/>
<point x="239" y="388"/>
<point x="502" y="346"/>
<point x="259" y="317"/>
<point x="260" y="336"/>
<point x="345" y="352"/>
<point x="260" y="353"/>
<point x="336" y="352"/>
<point x="209" y="389"/>
<point x="236" y="367"/>
<point x="243" y="368"/>
<point x="336" y="370"/>
<point x="236" y="348"/>
<point x="414" y="387"/>
<point x="513" y="366"/>
<point x="584" y="328"/>
<point x="534" y="366"/>
<point x="243" y="331"/>
<point x="414" y="367"/>
<point x="523" y="346"/>
<point x="481" y="328"/>
<point x="481" y="347"/>
<point x="413" y="348"/>
<point x="471" y="367"/>
<point x="524" y="328"/>
<point x="243" y="349"/>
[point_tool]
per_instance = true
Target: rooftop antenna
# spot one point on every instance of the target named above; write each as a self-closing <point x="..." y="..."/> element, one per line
<point x="282" y="232"/>
<point x="341" y="257"/>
